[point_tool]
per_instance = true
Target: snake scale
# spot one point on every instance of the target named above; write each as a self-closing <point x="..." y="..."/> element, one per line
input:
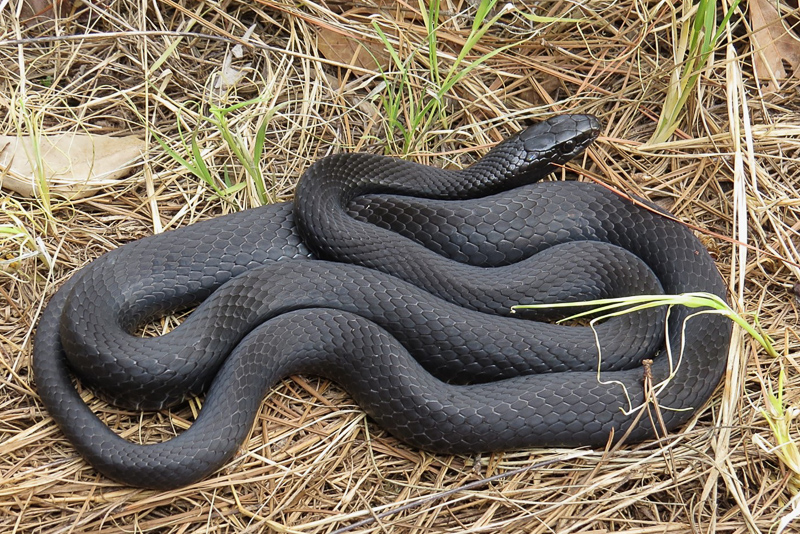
<point x="396" y="281"/>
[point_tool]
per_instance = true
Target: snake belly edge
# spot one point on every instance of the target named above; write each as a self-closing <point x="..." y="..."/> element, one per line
<point x="403" y="300"/>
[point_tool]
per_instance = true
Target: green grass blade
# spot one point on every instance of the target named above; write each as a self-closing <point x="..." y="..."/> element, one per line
<point x="636" y="303"/>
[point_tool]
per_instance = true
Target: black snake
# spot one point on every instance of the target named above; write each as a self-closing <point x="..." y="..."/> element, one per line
<point x="415" y="282"/>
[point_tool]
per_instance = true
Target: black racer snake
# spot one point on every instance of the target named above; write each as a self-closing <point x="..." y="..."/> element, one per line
<point x="400" y="299"/>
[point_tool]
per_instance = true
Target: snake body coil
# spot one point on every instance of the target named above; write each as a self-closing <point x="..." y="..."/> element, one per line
<point x="411" y="317"/>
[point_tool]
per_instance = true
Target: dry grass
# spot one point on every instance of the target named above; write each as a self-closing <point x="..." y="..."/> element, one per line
<point x="313" y="462"/>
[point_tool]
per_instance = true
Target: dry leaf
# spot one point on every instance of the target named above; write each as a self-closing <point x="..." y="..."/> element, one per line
<point x="230" y="76"/>
<point x="34" y="11"/>
<point x="342" y="49"/>
<point x="41" y="13"/>
<point x="75" y="165"/>
<point x="772" y="43"/>
<point x="337" y="46"/>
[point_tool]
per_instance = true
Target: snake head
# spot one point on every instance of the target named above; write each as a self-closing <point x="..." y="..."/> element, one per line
<point x="560" y="138"/>
<point x="536" y="152"/>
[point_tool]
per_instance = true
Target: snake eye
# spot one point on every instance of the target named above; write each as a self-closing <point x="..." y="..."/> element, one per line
<point x="568" y="146"/>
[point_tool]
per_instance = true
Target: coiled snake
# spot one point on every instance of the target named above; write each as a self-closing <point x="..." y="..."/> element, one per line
<point x="431" y="277"/>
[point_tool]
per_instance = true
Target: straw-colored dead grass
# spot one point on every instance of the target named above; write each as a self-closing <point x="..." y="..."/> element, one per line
<point x="314" y="463"/>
